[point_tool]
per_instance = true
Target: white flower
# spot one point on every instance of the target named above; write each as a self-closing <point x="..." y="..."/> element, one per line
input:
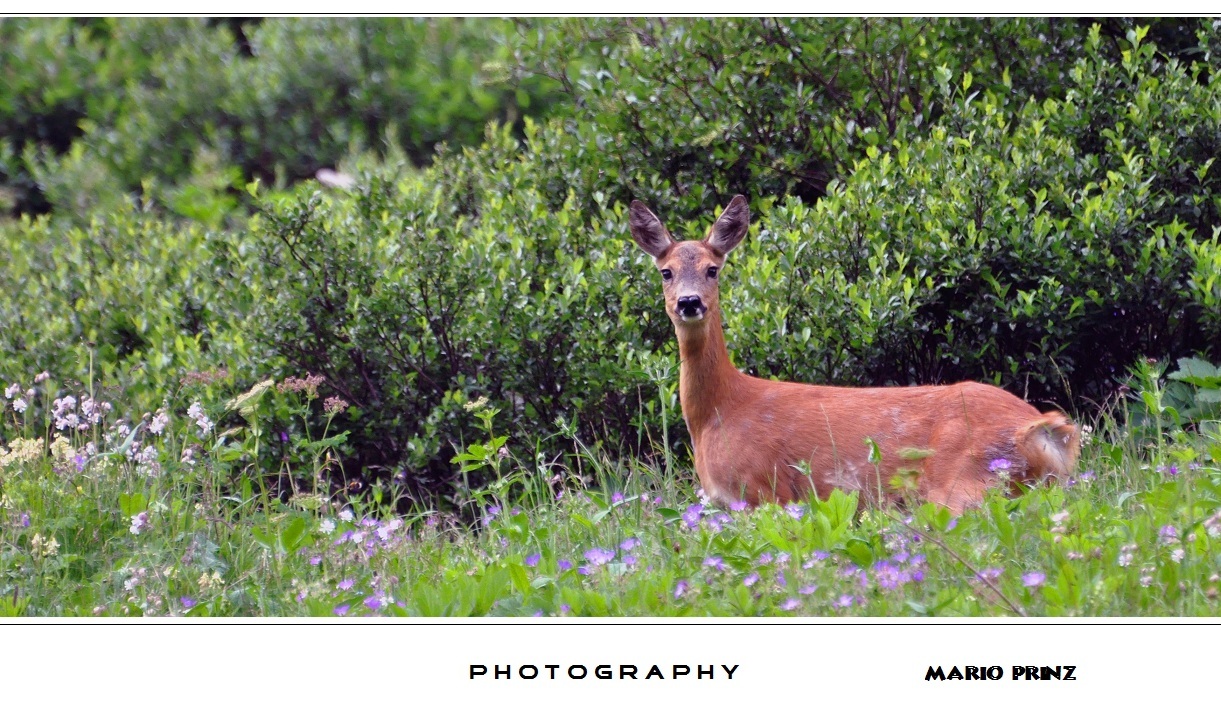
<point x="346" y="515"/>
<point x="12" y="391"/>
<point x="196" y="413"/>
<point x="1177" y="555"/>
<point x="159" y="422"/>
<point x="327" y="526"/>
<point x="19" y="405"/>
<point x="188" y="456"/>
<point x="358" y="536"/>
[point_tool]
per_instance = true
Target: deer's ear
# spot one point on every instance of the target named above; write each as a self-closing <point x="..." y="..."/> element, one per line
<point x="647" y="230"/>
<point x="730" y="227"/>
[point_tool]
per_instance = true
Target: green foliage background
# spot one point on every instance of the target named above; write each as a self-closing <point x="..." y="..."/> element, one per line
<point x="1029" y="202"/>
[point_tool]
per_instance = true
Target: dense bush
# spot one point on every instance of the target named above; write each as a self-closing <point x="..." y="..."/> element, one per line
<point x="169" y="100"/>
<point x="683" y="112"/>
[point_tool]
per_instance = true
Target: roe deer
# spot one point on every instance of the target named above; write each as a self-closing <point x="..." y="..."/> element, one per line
<point x="754" y="438"/>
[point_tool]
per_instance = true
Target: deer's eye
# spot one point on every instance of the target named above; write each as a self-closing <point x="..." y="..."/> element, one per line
<point x="666" y="274"/>
<point x="712" y="272"/>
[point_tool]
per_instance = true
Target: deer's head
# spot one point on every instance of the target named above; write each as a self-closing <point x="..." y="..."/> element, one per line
<point x="689" y="269"/>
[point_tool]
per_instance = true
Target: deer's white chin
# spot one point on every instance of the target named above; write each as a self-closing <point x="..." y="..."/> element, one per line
<point x="692" y="318"/>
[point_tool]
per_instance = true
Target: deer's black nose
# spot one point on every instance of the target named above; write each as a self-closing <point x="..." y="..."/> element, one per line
<point x="689" y="305"/>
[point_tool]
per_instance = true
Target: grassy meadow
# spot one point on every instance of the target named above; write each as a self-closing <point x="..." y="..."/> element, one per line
<point x="110" y="513"/>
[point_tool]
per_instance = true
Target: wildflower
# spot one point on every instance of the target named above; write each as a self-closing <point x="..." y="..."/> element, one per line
<point x="478" y="403"/>
<point x="41" y="547"/>
<point x="1146" y="580"/>
<point x="1033" y="580"/>
<point x="1060" y="517"/>
<point x="334" y="405"/>
<point x="795" y="510"/>
<point x="808" y="589"/>
<point x="188" y="602"/>
<point x="1087" y="476"/>
<point x="1125" y="555"/>
<point x="889" y="576"/>
<point x="738" y="505"/>
<point x="717" y="521"/>
<point x="19" y="405"/>
<point x="11" y="391"/>
<point x="765" y="559"/>
<point x="715" y="562"/>
<point x="629" y="544"/>
<point x="326" y="527"/>
<point x="599" y="556"/>
<point x="680" y="589"/>
<point x="1000" y="465"/>
<point x="843" y="601"/>
<point x="196" y="413"/>
<point x="691" y="516"/>
<point x="346" y="515"/>
<point x="532" y="559"/>
<point x="616" y="497"/>
<point x="629" y="559"/>
<point x="1177" y="555"/>
<point x="565" y="608"/>
<point x="1168" y="534"/>
<point x="346" y="584"/>
<point x="790" y="604"/>
<point x="159" y="422"/>
<point x="341" y="610"/>
<point x="358" y="537"/>
<point x="139" y="523"/>
<point x="564" y="564"/>
<point x="315" y="559"/>
<point x="42" y="377"/>
<point x="214" y="580"/>
<point x="989" y="574"/>
<point x="750" y="579"/>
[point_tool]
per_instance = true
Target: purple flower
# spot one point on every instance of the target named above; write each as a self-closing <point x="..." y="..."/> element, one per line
<point x="283" y="437"/>
<point x="599" y="556"/>
<point x="80" y="463"/>
<point x="750" y="579"/>
<point x="373" y="602"/>
<point x="795" y="510"/>
<point x="680" y="589"/>
<point x="1168" y="534"/>
<point x="616" y="497"/>
<point x="341" y="610"/>
<point x="25" y="520"/>
<point x="738" y="505"/>
<point x="843" y="601"/>
<point x="691" y="516"/>
<point x="989" y="574"/>
<point x="629" y="559"/>
<point x="346" y="584"/>
<point x="565" y="608"/>
<point x="790" y="604"/>
<point x="563" y="564"/>
<point x="765" y="559"/>
<point x="532" y="559"/>
<point x="715" y="562"/>
<point x="188" y="602"/>
<point x="717" y="521"/>
<point x="629" y="543"/>
<point x="781" y="581"/>
<point x="889" y="576"/>
<point x="316" y="559"/>
<point x="1033" y="580"/>
<point x="808" y="589"/>
<point x="998" y="465"/>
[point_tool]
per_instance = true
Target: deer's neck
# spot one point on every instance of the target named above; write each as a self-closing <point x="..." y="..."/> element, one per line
<point x="706" y="379"/>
